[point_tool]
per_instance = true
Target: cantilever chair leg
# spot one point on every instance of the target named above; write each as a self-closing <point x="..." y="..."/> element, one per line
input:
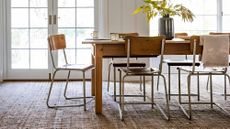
<point x="167" y="117"/>
<point x="66" y="85"/>
<point x="72" y="105"/>
<point x="50" y="89"/>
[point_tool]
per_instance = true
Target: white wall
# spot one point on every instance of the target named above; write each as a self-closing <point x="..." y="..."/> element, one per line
<point x="1" y="39"/>
<point x="116" y="16"/>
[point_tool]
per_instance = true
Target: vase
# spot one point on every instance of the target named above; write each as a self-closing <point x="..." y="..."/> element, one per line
<point x="166" y="27"/>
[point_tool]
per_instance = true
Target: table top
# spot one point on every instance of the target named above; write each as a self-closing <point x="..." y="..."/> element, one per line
<point x="121" y="41"/>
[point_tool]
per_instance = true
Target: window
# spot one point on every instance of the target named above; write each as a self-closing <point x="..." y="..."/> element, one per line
<point x="205" y="20"/>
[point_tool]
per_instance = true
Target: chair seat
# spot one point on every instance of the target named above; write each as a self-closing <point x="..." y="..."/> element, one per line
<point x="80" y="67"/>
<point x="180" y="62"/>
<point x="204" y="70"/>
<point x="130" y="64"/>
<point x="140" y="71"/>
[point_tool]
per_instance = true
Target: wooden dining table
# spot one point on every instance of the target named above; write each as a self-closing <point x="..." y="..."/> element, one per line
<point x="106" y="48"/>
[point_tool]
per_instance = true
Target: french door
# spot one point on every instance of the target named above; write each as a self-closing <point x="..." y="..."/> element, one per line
<point x="29" y="24"/>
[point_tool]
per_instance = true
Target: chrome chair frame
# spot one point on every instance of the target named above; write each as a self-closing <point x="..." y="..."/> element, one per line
<point x="123" y="35"/>
<point x="150" y="72"/>
<point x="194" y="72"/>
<point x="174" y="63"/>
<point x="65" y="68"/>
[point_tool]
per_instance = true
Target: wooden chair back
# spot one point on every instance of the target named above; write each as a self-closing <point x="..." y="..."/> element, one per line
<point x="57" y="42"/>
<point x="178" y="35"/>
<point x="144" y="46"/>
<point x="123" y="35"/>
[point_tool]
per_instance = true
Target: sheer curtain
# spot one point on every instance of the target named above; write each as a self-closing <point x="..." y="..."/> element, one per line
<point x="1" y="39"/>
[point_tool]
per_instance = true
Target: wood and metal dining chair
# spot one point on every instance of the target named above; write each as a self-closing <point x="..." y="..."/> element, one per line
<point x="117" y="64"/>
<point x="180" y="62"/>
<point x="215" y="69"/>
<point x="141" y="46"/>
<point x="58" y="43"/>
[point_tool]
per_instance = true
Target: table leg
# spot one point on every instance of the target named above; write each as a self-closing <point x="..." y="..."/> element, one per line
<point x="98" y="81"/>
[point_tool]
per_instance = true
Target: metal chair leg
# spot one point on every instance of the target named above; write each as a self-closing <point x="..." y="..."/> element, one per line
<point x="84" y="94"/>
<point x="225" y="88"/>
<point x="211" y="96"/>
<point x="179" y="86"/>
<point x="167" y="99"/>
<point x="114" y="83"/>
<point x="207" y="83"/>
<point x="152" y="90"/>
<point x="158" y="82"/>
<point x="198" y="87"/>
<point x="169" y="81"/>
<point x="144" y="91"/>
<point x="141" y="83"/>
<point x="50" y="89"/>
<point x="189" y="96"/>
<point x="109" y="69"/>
<point x="66" y="85"/>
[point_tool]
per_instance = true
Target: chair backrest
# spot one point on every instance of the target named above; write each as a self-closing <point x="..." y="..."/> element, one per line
<point x="145" y="46"/>
<point x="123" y="35"/>
<point x="178" y="35"/>
<point x="196" y="48"/>
<point x="219" y="33"/>
<point x="57" y="42"/>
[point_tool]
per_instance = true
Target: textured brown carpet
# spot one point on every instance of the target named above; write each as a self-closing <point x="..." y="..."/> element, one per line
<point x="22" y="105"/>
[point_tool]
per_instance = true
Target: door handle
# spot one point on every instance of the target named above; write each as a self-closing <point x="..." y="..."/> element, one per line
<point x="54" y="19"/>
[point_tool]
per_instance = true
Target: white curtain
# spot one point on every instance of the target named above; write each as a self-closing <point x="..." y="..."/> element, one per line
<point x="1" y="38"/>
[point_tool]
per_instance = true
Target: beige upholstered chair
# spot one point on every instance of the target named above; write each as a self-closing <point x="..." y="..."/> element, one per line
<point x="196" y="48"/>
<point x="225" y="83"/>
<point x="141" y="46"/>
<point x="120" y="64"/>
<point x="58" y="43"/>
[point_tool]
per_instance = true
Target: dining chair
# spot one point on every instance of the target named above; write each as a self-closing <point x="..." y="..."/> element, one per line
<point x="205" y="69"/>
<point x="122" y="64"/>
<point x="225" y="79"/>
<point x="58" y="43"/>
<point x="141" y="46"/>
<point x="182" y="62"/>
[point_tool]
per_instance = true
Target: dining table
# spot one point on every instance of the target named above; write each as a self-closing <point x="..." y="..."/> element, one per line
<point x="107" y="48"/>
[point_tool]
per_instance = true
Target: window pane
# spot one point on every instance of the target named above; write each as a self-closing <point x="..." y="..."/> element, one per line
<point x="38" y="38"/>
<point x="85" y="3"/>
<point x="70" y="53"/>
<point x="200" y="6"/>
<point x="66" y="17"/>
<point x="83" y="34"/>
<point x="19" y="3"/>
<point x="38" y="3"/>
<point x="85" y="17"/>
<point x="20" y="59"/>
<point x="205" y="23"/>
<point x="39" y="59"/>
<point x="66" y="3"/>
<point x="226" y="8"/>
<point x="19" y="38"/>
<point x="83" y="56"/>
<point x="226" y="25"/>
<point x="19" y="18"/>
<point x="38" y="18"/>
<point x="70" y="37"/>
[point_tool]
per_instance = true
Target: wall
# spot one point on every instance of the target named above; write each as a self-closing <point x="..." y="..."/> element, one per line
<point x="116" y="16"/>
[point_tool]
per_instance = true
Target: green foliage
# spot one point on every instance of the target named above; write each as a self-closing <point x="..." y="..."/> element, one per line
<point x="152" y="8"/>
